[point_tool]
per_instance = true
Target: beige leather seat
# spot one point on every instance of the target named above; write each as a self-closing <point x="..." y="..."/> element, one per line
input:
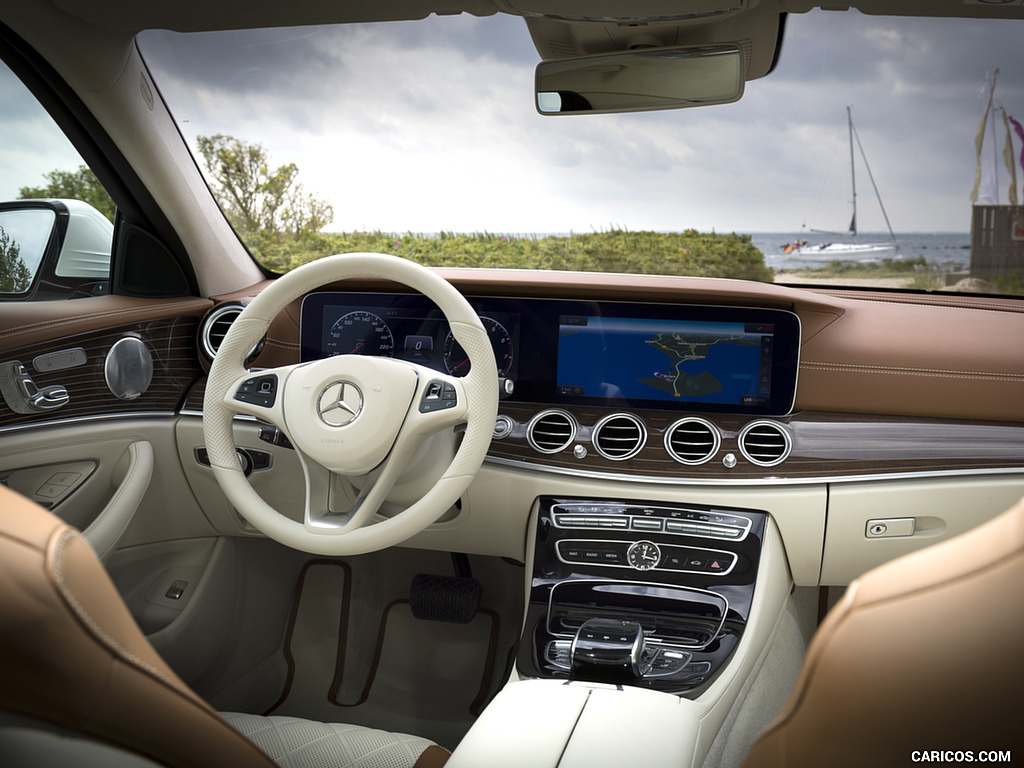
<point x="922" y="662"/>
<point x="81" y="685"/>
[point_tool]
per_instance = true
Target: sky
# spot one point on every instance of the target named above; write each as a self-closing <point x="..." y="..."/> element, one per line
<point x="430" y="126"/>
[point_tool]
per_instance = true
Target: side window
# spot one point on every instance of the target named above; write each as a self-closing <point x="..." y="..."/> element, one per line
<point x="56" y="219"/>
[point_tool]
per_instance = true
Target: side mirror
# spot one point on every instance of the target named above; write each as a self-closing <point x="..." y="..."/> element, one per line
<point x="642" y="80"/>
<point x="54" y="249"/>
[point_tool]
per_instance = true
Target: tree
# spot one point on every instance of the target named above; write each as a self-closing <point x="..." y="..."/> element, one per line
<point x="15" y="276"/>
<point x="80" y="184"/>
<point x="261" y="203"/>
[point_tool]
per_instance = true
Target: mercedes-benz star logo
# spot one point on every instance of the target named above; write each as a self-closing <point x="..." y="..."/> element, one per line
<point x="339" y="404"/>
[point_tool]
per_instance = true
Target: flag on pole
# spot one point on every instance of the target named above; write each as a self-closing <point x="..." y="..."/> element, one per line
<point x="986" y="189"/>
<point x="1020" y="135"/>
<point x="1008" y="157"/>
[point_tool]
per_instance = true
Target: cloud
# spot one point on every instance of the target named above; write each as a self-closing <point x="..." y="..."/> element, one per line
<point x="30" y="142"/>
<point x="430" y="125"/>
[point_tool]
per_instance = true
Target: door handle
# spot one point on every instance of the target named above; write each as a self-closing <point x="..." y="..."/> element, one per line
<point x="112" y="521"/>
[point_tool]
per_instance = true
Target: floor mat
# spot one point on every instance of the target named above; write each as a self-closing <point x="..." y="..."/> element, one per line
<point x="356" y="654"/>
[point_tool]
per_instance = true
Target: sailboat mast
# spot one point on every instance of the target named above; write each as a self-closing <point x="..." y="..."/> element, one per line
<point x="853" y="176"/>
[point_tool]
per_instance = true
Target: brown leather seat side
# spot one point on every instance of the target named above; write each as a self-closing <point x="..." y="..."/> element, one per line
<point x="72" y="655"/>
<point x="921" y="661"/>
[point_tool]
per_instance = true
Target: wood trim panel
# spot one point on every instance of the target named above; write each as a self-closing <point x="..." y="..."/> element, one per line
<point x="25" y="323"/>
<point x="171" y="341"/>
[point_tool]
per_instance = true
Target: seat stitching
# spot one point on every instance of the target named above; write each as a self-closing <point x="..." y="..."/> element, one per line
<point x="81" y="613"/>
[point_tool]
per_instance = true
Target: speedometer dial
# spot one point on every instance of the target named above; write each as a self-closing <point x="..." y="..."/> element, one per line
<point x="457" y="361"/>
<point x="360" y="333"/>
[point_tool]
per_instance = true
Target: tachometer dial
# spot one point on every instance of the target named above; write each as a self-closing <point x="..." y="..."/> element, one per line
<point x="457" y="361"/>
<point x="360" y="333"/>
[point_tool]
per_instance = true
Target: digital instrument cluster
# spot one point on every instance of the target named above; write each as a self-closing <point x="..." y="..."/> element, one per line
<point x="404" y="327"/>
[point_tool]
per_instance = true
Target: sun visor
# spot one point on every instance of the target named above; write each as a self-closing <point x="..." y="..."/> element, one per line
<point x="757" y="34"/>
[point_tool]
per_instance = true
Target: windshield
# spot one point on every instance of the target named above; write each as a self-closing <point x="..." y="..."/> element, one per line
<point x="852" y="163"/>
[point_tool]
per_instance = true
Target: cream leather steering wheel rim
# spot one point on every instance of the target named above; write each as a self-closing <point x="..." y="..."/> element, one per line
<point x="351" y="414"/>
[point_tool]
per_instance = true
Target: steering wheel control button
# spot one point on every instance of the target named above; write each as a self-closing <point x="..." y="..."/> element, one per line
<point x="259" y="390"/>
<point x="340" y="404"/>
<point x="438" y="396"/>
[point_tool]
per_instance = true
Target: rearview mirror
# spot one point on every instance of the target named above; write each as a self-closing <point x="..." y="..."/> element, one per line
<point x="635" y="81"/>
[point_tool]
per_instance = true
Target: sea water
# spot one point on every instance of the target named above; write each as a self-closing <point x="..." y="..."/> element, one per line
<point x="948" y="250"/>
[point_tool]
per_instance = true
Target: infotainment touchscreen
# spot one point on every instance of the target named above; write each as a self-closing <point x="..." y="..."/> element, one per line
<point x="676" y="361"/>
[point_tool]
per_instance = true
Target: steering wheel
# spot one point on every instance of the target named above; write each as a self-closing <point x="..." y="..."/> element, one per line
<point x="349" y="415"/>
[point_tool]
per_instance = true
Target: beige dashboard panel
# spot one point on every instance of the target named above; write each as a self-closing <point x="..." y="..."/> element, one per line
<point x="914" y="513"/>
<point x="277" y="477"/>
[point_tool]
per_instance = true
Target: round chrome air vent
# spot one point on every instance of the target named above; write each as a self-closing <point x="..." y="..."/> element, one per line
<point x="215" y="327"/>
<point x="692" y="440"/>
<point x="765" y="443"/>
<point x="619" y="437"/>
<point x="551" y="431"/>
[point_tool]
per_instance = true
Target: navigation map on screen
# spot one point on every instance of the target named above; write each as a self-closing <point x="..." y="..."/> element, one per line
<point x="641" y="359"/>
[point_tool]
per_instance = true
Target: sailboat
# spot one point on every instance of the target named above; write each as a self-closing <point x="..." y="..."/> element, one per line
<point x="849" y="251"/>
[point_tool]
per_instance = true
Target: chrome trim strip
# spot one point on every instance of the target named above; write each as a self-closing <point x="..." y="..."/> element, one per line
<point x="235" y="417"/>
<point x="85" y="419"/>
<point x="756" y="481"/>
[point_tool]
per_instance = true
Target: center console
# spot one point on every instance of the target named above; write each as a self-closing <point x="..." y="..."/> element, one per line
<point x="651" y="595"/>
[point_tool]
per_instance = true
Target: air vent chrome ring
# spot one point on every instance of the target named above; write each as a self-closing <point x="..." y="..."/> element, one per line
<point x="215" y="326"/>
<point x="619" y="436"/>
<point x="765" y="443"/>
<point x="551" y="431"/>
<point x="692" y="440"/>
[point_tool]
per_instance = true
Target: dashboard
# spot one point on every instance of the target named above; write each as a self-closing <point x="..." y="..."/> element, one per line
<point x="564" y="352"/>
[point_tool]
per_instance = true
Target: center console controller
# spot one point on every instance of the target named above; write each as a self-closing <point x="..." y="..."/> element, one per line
<point x="647" y="594"/>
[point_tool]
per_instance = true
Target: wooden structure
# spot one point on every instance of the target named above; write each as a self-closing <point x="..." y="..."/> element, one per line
<point x="997" y="241"/>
